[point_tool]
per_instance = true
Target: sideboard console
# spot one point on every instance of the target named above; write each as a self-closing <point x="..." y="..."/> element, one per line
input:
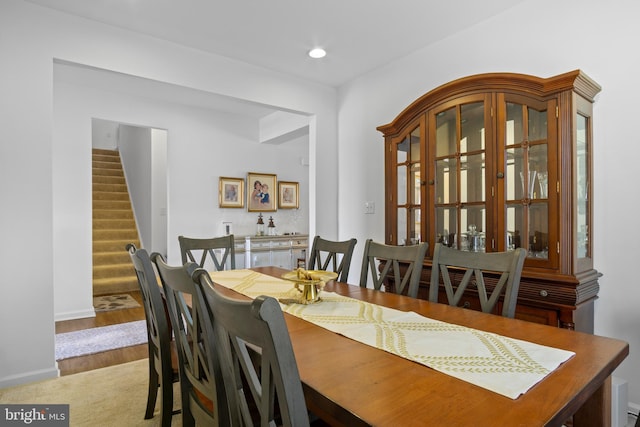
<point x="281" y="251"/>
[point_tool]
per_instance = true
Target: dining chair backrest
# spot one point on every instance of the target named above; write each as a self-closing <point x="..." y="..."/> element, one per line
<point x="470" y="269"/>
<point x="201" y="385"/>
<point x="257" y="359"/>
<point x="162" y="374"/>
<point x="402" y="264"/>
<point x="332" y="256"/>
<point x="212" y="253"/>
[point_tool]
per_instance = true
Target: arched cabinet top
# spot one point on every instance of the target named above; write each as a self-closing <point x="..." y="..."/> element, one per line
<point x="542" y="88"/>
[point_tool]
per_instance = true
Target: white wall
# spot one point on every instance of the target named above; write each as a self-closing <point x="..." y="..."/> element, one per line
<point x="135" y="148"/>
<point x="26" y="194"/>
<point x="45" y="185"/>
<point x="159" y="199"/>
<point x="104" y="134"/>
<point x="544" y="38"/>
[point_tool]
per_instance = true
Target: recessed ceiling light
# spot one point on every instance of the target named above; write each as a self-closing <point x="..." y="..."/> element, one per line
<point x="317" y="53"/>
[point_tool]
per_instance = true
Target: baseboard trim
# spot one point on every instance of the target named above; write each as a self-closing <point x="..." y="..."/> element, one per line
<point x="72" y="315"/>
<point x="29" y="377"/>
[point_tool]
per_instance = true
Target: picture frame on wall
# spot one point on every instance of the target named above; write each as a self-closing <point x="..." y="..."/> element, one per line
<point x="262" y="192"/>
<point x="231" y="192"/>
<point x="288" y="195"/>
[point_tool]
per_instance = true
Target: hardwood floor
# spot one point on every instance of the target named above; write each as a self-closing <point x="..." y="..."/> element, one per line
<point x="107" y="358"/>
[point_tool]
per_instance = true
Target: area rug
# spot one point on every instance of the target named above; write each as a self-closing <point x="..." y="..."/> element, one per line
<point x="114" y="302"/>
<point x="113" y="396"/>
<point x="96" y="340"/>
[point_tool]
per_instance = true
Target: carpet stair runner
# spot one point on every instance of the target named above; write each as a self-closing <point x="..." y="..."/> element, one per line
<point x="113" y="226"/>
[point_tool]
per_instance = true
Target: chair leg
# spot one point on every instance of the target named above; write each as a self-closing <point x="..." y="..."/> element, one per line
<point x="187" y="416"/>
<point x="166" y="412"/>
<point x="153" y="391"/>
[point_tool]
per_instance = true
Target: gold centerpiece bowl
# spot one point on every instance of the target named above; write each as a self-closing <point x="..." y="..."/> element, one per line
<point x="309" y="283"/>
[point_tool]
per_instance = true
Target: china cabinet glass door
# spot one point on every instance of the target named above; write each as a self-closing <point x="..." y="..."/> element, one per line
<point x="460" y="181"/>
<point x="409" y="198"/>
<point x="526" y="129"/>
<point x="582" y="187"/>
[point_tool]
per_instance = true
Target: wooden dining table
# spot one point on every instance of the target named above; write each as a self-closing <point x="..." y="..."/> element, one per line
<point x="349" y="383"/>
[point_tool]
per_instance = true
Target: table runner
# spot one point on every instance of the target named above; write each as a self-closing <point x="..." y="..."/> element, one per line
<point x="503" y="365"/>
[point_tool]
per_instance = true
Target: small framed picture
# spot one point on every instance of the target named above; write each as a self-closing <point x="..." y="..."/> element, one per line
<point x="262" y="192"/>
<point x="231" y="192"/>
<point x="289" y="197"/>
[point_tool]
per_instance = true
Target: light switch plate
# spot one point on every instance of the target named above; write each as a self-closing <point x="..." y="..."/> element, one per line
<point x="369" y="207"/>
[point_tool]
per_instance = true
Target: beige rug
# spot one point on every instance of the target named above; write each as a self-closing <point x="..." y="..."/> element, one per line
<point x="114" y="302"/>
<point x="114" y="396"/>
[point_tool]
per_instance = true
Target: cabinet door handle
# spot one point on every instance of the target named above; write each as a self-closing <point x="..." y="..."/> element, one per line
<point x="544" y="293"/>
<point x="500" y="175"/>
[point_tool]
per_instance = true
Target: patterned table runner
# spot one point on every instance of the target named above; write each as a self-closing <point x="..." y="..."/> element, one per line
<point x="503" y="365"/>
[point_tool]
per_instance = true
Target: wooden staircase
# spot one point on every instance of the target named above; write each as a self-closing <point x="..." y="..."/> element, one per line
<point x="113" y="226"/>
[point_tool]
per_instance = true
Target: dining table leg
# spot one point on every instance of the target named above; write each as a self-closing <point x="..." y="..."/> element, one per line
<point x="596" y="411"/>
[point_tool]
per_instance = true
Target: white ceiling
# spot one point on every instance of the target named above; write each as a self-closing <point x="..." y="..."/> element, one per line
<point x="359" y="35"/>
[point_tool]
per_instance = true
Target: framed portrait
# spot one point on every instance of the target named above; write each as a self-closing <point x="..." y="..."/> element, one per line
<point x="231" y="192"/>
<point x="288" y="195"/>
<point x="262" y="194"/>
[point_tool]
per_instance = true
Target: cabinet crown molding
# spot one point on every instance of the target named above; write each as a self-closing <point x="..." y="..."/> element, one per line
<point x="500" y="82"/>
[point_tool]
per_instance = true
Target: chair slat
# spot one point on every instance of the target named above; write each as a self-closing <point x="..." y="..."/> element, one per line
<point x="324" y="252"/>
<point x="475" y="265"/>
<point x="393" y="258"/>
<point x="205" y="249"/>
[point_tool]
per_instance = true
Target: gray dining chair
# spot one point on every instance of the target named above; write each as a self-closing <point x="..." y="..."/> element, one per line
<point x="216" y="253"/>
<point x="202" y="391"/>
<point x="257" y="359"/>
<point x="463" y="270"/>
<point x="332" y="256"/>
<point x="401" y="264"/>
<point x="163" y="370"/>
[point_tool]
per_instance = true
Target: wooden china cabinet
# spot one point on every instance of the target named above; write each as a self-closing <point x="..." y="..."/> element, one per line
<point x="497" y="161"/>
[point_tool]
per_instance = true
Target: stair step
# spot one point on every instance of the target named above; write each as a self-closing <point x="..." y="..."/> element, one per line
<point x="108" y="258"/>
<point x="113" y="270"/>
<point x="115" y="285"/>
<point x="106" y="158"/>
<point x="114" y="224"/>
<point x="106" y="195"/>
<point x="112" y="213"/>
<point x="104" y="187"/>
<point x="105" y="151"/>
<point x="109" y="179"/>
<point x="107" y="172"/>
<point x="113" y="245"/>
<point x="106" y="165"/>
<point x="130" y="235"/>
<point x="118" y="205"/>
